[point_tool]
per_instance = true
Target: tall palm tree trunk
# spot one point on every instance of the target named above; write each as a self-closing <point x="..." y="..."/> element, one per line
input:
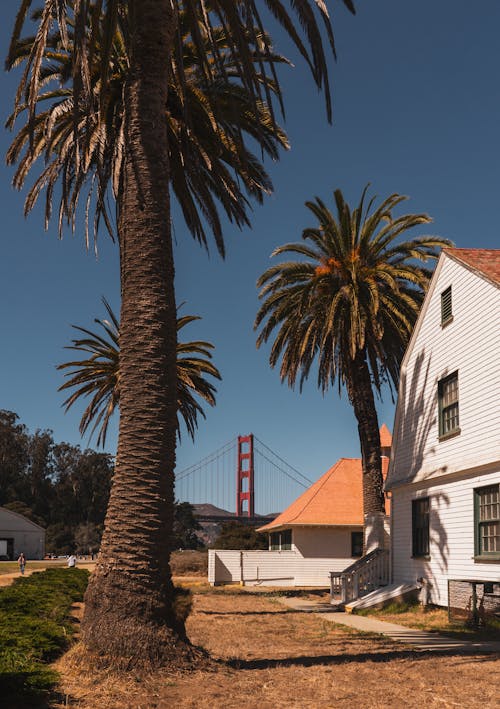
<point x="129" y="609"/>
<point x="363" y="402"/>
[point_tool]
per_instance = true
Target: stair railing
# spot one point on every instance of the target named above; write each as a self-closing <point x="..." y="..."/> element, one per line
<point x="361" y="577"/>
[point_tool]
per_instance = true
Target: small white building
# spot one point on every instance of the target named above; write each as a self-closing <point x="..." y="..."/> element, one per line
<point x="19" y="534"/>
<point x="444" y="475"/>
<point x="320" y="532"/>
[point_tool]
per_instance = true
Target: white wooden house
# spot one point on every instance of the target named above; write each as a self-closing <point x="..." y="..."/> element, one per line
<point x="319" y="533"/>
<point x="444" y="475"/>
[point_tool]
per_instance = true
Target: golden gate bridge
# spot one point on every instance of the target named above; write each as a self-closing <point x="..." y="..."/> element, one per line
<point x="244" y="477"/>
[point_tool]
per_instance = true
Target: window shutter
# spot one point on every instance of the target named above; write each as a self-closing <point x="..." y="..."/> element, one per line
<point x="446" y="309"/>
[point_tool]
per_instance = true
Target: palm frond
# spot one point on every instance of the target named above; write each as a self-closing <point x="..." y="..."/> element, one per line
<point x="98" y="376"/>
<point x="356" y="288"/>
<point x="223" y="87"/>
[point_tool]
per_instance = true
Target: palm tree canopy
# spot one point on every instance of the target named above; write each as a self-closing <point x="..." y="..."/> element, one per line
<point x="98" y="376"/>
<point x="211" y="163"/>
<point x="356" y="288"/>
<point x="223" y="79"/>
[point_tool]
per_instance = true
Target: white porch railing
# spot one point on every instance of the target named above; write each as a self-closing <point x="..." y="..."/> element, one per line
<point x="365" y="575"/>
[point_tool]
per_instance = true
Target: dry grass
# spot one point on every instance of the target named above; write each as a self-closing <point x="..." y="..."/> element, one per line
<point x="269" y="657"/>
<point x="189" y="563"/>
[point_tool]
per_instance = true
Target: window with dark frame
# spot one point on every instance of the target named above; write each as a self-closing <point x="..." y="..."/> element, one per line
<point x="448" y="405"/>
<point x="446" y="307"/>
<point x="420" y="526"/>
<point x="286" y="540"/>
<point x="487" y="520"/>
<point x="281" y="541"/>
<point x="356" y="544"/>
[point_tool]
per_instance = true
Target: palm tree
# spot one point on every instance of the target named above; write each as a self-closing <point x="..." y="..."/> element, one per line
<point x="130" y="603"/>
<point x="98" y="376"/>
<point x="202" y="159"/>
<point x="349" y="305"/>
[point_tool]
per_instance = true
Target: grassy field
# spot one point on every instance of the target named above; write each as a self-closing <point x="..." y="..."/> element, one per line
<point x="183" y="563"/>
<point x="266" y="656"/>
<point x="12" y="567"/>
<point x="35" y="627"/>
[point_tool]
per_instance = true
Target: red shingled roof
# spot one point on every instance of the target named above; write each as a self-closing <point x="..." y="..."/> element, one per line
<point x="335" y="499"/>
<point x="486" y="261"/>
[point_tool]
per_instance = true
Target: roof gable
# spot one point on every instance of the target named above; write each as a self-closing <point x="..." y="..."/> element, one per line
<point x="385" y="437"/>
<point x="466" y="258"/>
<point x="335" y="499"/>
<point x="484" y="262"/>
<point x="473" y="275"/>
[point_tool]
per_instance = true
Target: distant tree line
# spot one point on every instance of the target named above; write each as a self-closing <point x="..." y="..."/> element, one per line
<point x="56" y="485"/>
<point x="65" y="489"/>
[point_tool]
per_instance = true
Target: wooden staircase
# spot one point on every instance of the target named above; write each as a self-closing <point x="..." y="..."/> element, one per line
<point x="362" y="577"/>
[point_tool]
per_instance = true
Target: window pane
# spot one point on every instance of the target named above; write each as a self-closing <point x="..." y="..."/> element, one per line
<point x="488" y="519"/>
<point x="420" y="529"/>
<point x="356" y="543"/>
<point x="489" y="503"/>
<point x="490" y="537"/>
<point x="450" y="392"/>
<point x="450" y="418"/>
<point x="286" y="539"/>
<point x="448" y="404"/>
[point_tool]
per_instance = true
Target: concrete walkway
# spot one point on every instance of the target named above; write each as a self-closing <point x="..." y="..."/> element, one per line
<point x="417" y="639"/>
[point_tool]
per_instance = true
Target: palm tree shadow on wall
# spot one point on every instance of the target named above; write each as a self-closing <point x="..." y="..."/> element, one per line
<point x="417" y="430"/>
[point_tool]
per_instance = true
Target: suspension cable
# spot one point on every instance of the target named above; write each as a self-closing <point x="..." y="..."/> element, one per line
<point x="308" y="480"/>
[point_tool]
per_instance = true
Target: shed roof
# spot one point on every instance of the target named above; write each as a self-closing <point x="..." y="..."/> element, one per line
<point x="9" y="516"/>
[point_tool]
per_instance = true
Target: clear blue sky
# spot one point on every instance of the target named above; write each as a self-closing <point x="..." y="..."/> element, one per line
<point x="416" y="111"/>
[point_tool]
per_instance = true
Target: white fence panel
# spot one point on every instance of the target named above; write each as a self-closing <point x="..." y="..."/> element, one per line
<point x="271" y="568"/>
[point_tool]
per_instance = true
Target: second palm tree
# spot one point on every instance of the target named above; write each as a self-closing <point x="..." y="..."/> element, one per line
<point x="349" y="304"/>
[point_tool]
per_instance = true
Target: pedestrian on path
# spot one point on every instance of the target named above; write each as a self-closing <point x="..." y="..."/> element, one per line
<point x="22" y="563"/>
<point x="72" y="561"/>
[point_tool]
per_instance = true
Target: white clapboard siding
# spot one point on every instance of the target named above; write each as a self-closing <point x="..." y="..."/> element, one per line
<point x="328" y="542"/>
<point x="451" y="527"/>
<point x="271" y="568"/>
<point x="470" y="344"/>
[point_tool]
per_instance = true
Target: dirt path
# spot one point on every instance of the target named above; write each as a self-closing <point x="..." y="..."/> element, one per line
<point x="7" y="579"/>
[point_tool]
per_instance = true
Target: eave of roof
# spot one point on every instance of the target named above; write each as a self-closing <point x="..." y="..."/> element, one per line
<point x="485" y="262"/>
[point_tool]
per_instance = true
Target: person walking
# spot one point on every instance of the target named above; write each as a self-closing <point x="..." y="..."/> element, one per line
<point x="22" y="563"/>
<point x="72" y="561"/>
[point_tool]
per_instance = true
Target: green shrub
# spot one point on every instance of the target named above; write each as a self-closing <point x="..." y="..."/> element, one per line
<point x="35" y="628"/>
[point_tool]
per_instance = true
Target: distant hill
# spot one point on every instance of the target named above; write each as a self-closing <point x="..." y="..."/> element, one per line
<point x="210" y="530"/>
<point x="205" y="509"/>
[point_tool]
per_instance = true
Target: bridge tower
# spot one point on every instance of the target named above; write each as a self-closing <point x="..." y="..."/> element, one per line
<point x="245" y="477"/>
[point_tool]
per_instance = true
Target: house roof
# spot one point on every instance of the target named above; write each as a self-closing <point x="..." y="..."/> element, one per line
<point x="385" y="437"/>
<point x="336" y="499"/>
<point x="484" y="261"/>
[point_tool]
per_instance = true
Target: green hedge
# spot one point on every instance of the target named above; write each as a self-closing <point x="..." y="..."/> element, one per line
<point x="35" y="628"/>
